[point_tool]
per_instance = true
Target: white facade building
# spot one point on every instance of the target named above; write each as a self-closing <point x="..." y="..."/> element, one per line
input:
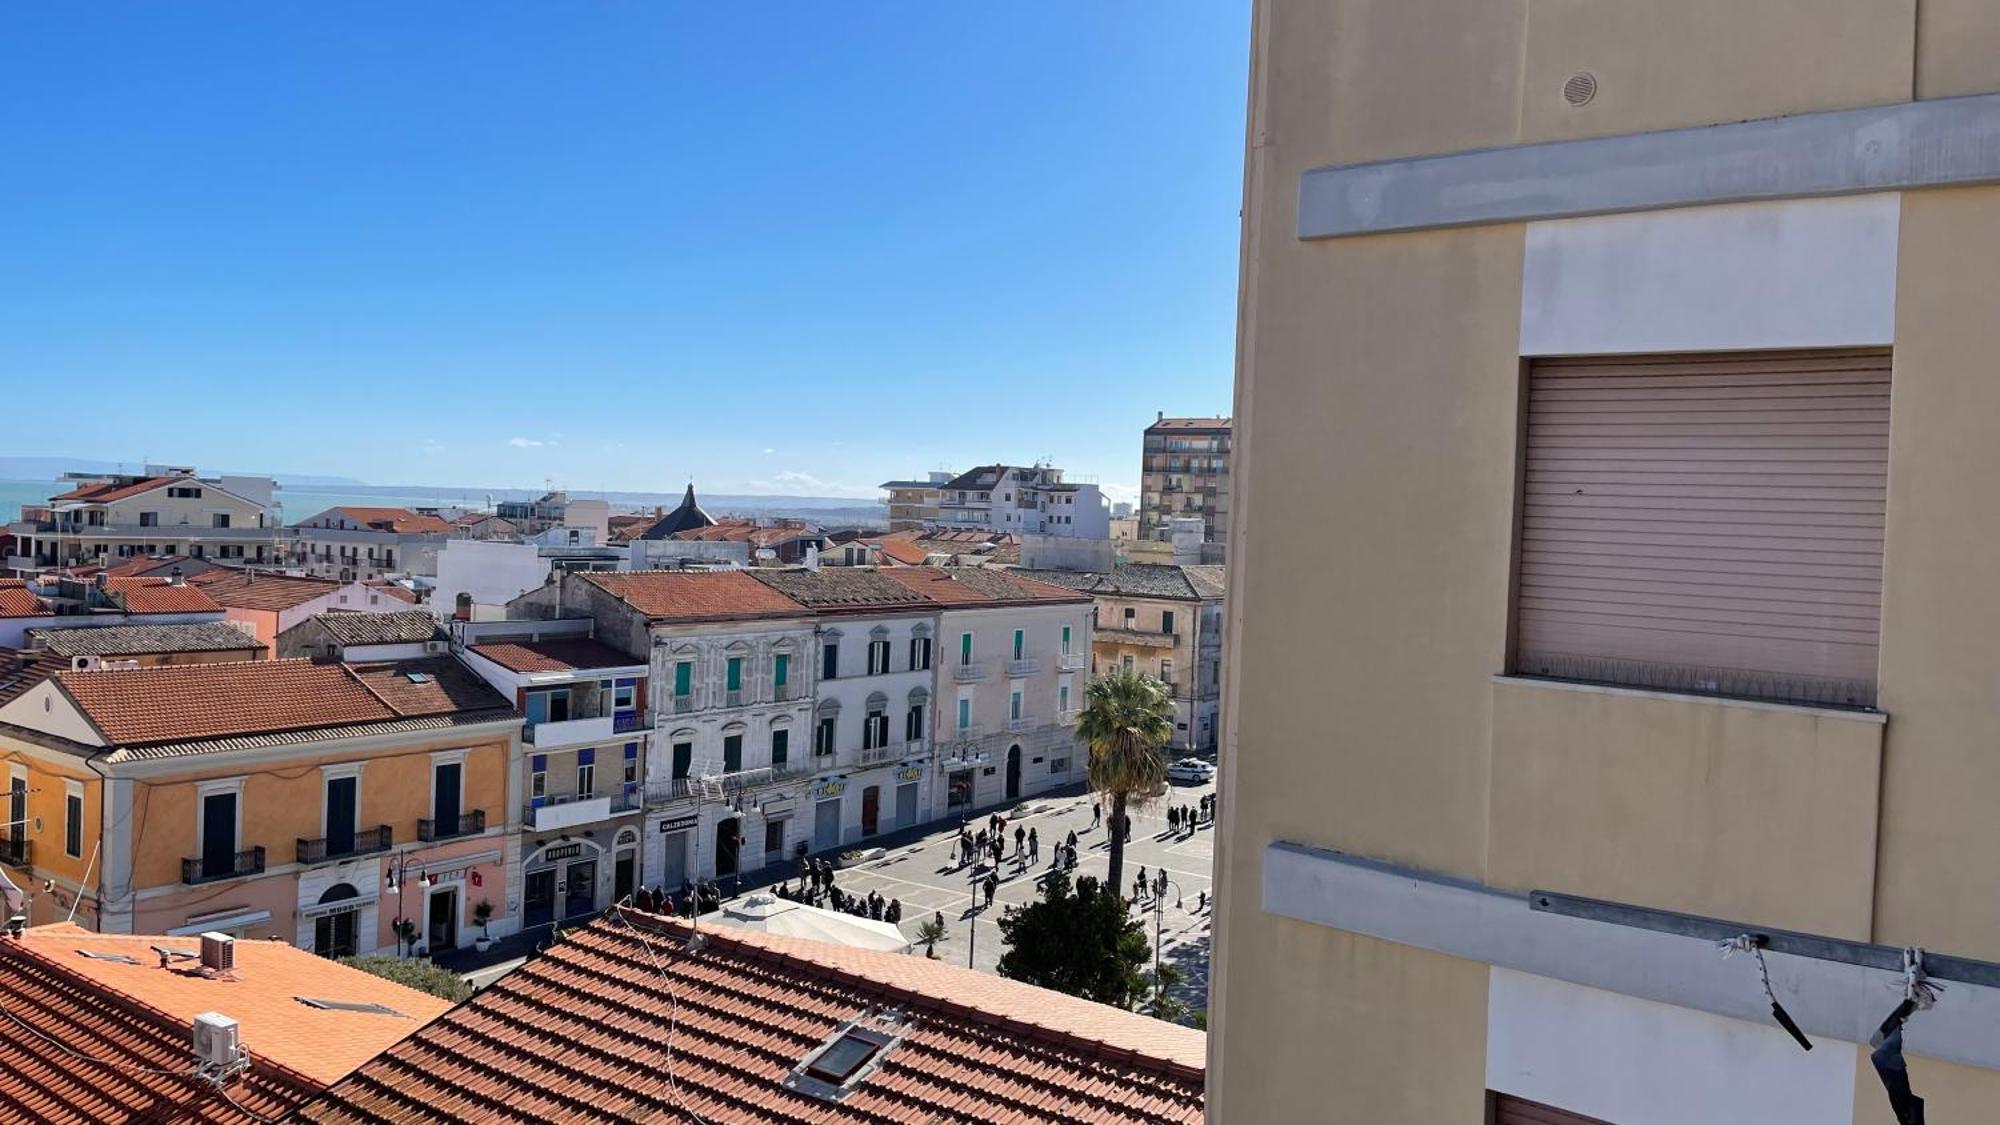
<point x="1024" y="499"/>
<point x="489" y="573"/>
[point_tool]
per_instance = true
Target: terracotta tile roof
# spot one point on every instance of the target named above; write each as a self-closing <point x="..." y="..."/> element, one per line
<point x="716" y="595"/>
<point x="974" y="586"/>
<point x="1139" y="580"/>
<point x="135" y="1018"/>
<point x="400" y="520"/>
<point x="160" y="595"/>
<point x="111" y="490"/>
<point x="559" y="655"/>
<point x="620" y="1022"/>
<point x="442" y="686"/>
<point x="841" y="588"/>
<point x="746" y="531"/>
<point x="901" y="550"/>
<point x="16" y="600"/>
<point x="138" y="640"/>
<point x="407" y="626"/>
<point x="395" y="590"/>
<point x="243" y="589"/>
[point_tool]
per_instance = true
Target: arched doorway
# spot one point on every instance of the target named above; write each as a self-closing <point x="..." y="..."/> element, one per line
<point x="333" y="933"/>
<point x="728" y="835"/>
<point x="1014" y="772"/>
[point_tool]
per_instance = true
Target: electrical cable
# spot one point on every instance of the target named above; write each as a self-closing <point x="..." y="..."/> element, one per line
<point x="673" y="1011"/>
<point x="1753" y="944"/>
<point x="131" y="1068"/>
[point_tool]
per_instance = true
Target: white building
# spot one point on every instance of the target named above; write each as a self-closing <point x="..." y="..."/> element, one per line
<point x="166" y="510"/>
<point x="1014" y="498"/>
<point x="477" y="578"/>
<point x="365" y="544"/>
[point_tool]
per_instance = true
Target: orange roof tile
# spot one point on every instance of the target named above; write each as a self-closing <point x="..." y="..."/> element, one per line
<point x="622" y="1021"/>
<point x="444" y="686"/>
<point x="718" y="595"/>
<point x="16" y="600"/>
<point x="978" y="585"/>
<point x="902" y="550"/>
<point x="395" y="590"/>
<point x="112" y="490"/>
<point x="178" y="703"/>
<point x="557" y="655"/>
<point x="400" y="520"/>
<point x="160" y="595"/>
<point x="243" y="589"/>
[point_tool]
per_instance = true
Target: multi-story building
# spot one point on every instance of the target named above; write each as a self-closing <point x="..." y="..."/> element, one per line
<point x="1635" y="362"/>
<point x="356" y="544"/>
<point x="166" y="510"/>
<point x="1184" y="471"/>
<point x="268" y="604"/>
<point x="1017" y="499"/>
<point x="476" y="579"/>
<point x="1165" y="622"/>
<point x="316" y="803"/>
<point x="404" y="634"/>
<point x="913" y="504"/>
<point x="732" y="661"/>
<point x="1014" y="657"/>
<point x="875" y="648"/>
<point x="581" y="771"/>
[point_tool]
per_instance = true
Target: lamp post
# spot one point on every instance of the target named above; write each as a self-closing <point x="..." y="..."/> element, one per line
<point x="1160" y="886"/>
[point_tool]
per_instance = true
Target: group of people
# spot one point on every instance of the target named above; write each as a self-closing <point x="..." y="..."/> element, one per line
<point x="1182" y="820"/>
<point x="699" y="897"/>
<point x="989" y="843"/>
<point x="815" y="892"/>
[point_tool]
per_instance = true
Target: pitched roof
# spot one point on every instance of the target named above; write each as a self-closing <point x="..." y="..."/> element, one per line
<point x="555" y="655"/>
<point x="159" y="595"/>
<point x="841" y="588"/>
<point x="1210" y="423"/>
<point x="107" y="491"/>
<point x="622" y="1021"/>
<point x="407" y="626"/>
<point x="962" y="586"/>
<point x="245" y="589"/>
<point x="746" y="531"/>
<point x="683" y="518"/>
<point x="715" y="595"/>
<point x="191" y="702"/>
<point x="16" y="600"/>
<point x="134" y="640"/>
<point x="1139" y="580"/>
<point x="901" y="550"/>
<point x="395" y="590"/>
<point x="401" y="520"/>
<point x="111" y="1040"/>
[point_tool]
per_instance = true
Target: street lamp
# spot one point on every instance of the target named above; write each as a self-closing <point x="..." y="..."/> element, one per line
<point x="1160" y="886"/>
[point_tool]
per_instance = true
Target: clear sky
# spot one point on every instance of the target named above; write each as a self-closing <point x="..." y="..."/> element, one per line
<point x="782" y="247"/>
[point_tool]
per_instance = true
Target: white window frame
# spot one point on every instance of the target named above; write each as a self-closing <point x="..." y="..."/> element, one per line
<point x="328" y="774"/>
<point x="73" y="790"/>
<point x="586" y="782"/>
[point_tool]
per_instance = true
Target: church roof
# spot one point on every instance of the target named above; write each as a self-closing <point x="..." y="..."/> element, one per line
<point x="687" y="517"/>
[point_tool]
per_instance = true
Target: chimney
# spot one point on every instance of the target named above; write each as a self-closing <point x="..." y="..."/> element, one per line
<point x="1159" y="417"/>
<point x="102" y="580"/>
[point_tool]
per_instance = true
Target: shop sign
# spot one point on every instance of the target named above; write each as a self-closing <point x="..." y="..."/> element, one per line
<point x="909" y="773"/>
<point x="679" y="823"/>
<point x="561" y="851"/>
<point x="832" y="787"/>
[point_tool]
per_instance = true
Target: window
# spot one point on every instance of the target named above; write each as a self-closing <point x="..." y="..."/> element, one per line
<point x="829" y="661"/>
<point x="538" y="780"/>
<point x="875" y="730"/>
<point x="1058" y="765"/>
<point x="732" y="753"/>
<point x="683" y="679"/>
<point x="1125" y="662"/>
<point x="622" y="695"/>
<point x="184" y="493"/>
<point x="913" y="723"/>
<point x="1130" y="616"/>
<point x="781" y="747"/>
<point x="843" y="1058"/>
<point x="447" y="790"/>
<point x="734" y="674"/>
<point x="965" y="648"/>
<point x="221" y="804"/>
<point x="1014" y="706"/>
<point x="1167" y="672"/>
<point x="547" y="706"/>
<point x="781" y="670"/>
<point x="964" y="712"/>
<point x="1062" y="696"/>
<point x="631" y="763"/>
<point x="1065" y="640"/>
<point x="920" y="653"/>
<point x="73" y="819"/>
<point x="683" y="759"/>
<point x="878" y="657"/>
<point x="1166" y="621"/>
<point x="1020" y="643"/>
<point x="1767" y="585"/>
<point x="586" y="773"/>
<point x="343" y="812"/>
<point x="823" y="736"/>
<point x="149" y="519"/>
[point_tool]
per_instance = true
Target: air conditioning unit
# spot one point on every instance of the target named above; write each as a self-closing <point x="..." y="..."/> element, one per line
<point x="434" y="646"/>
<point x="83" y="663"/>
<point x="218" y="954"/>
<point x="215" y="1040"/>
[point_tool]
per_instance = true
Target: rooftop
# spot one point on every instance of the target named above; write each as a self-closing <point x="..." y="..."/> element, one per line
<point x="400" y="520"/>
<point x="747" y="531"/>
<point x="111" y="1032"/>
<point x="263" y="590"/>
<point x="555" y="655"/>
<point x="135" y="640"/>
<point x="104" y="492"/>
<point x="671" y="595"/>
<point x="622" y="1021"/>
<point x="1209" y="423"/>
<point x="159" y="595"/>
<point x="409" y="626"/>
<point x="836" y="588"/>
<point x="686" y="517"/>
<point x="1139" y="580"/>
<point x="16" y="600"/>
<point x="977" y="586"/>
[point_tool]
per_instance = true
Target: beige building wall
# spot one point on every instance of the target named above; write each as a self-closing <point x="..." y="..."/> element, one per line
<point x="1379" y="383"/>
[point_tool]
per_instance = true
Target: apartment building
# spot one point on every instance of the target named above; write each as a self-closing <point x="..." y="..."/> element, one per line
<point x="166" y="510"/>
<point x="316" y="803"/>
<point x="1635" y="362"/>
<point x="268" y="604"/>
<point x="355" y="544"/>
<point x="1161" y="621"/>
<point x="875" y="646"/>
<point x="344" y="635"/>
<point x="913" y="504"/>
<point x="732" y="659"/>
<point x="476" y="579"/>
<point x="1014" y="660"/>
<point x="1184" y="471"/>
<point x="1021" y="499"/>
<point x="581" y="769"/>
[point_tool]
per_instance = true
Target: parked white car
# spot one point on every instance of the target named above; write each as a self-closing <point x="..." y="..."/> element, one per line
<point x="1191" y="770"/>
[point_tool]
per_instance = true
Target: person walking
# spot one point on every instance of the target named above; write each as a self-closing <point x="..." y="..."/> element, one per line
<point x="1020" y="839"/>
<point x="992" y="884"/>
<point x="894" y="911"/>
<point x="1096" y="814"/>
<point x="1034" y="847"/>
<point x="1139" y="884"/>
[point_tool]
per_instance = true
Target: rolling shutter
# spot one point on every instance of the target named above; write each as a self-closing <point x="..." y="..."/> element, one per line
<point x="1706" y="523"/>
<point x="1510" y="1110"/>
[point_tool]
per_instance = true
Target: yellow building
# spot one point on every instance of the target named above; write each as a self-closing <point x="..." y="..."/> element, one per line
<point x="317" y="803"/>
<point x="1635" y="363"/>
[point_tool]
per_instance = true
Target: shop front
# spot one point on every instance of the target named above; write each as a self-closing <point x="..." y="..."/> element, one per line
<point x="564" y="879"/>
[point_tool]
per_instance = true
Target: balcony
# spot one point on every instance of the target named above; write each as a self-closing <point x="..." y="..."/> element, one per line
<point x="625" y="722"/>
<point x="717" y="786"/>
<point x="554" y="734"/>
<point x="567" y="810"/>
<point x="874" y="755"/>
<point x="19" y="562"/>
<point x="669" y="789"/>
<point x="733" y="698"/>
<point x="467" y="824"/>
<point x="1015" y="726"/>
<point x="1073" y="661"/>
<point x="683" y="704"/>
<point x="208" y="869"/>
<point x="366" y="840"/>
<point x="1066" y="718"/>
<point x="1024" y="667"/>
<point x="14" y="853"/>
<point x="968" y="673"/>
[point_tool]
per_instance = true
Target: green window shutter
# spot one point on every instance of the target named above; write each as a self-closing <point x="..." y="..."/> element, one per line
<point x="735" y="673"/>
<point x="683" y="678"/>
<point x="781" y="669"/>
<point x="965" y="648"/>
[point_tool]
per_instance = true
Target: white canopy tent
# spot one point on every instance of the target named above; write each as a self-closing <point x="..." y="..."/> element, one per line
<point x="774" y="915"/>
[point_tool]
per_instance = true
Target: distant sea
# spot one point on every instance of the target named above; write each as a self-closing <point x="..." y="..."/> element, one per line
<point x="300" y="501"/>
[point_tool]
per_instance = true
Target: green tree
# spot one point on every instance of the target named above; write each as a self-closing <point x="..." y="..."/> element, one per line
<point x="420" y="975"/>
<point x="1160" y="1002"/>
<point x="1126" y="718"/>
<point x="1078" y="940"/>
<point x="930" y="933"/>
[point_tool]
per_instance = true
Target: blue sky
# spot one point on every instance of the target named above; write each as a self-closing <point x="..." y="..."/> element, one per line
<point x="780" y="247"/>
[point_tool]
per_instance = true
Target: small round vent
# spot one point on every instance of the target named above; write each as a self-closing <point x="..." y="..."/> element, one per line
<point x="1579" y="88"/>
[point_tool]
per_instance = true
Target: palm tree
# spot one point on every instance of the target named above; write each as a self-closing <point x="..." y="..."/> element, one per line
<point x="1126" y="718"/>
